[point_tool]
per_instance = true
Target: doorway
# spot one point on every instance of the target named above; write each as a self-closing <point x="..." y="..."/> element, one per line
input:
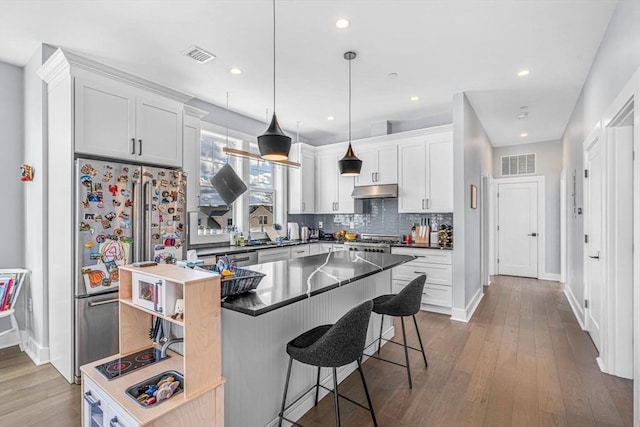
<point x="520" y="227"/>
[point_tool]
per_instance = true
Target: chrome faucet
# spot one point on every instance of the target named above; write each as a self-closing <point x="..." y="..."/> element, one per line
<point x="167" y="344"/>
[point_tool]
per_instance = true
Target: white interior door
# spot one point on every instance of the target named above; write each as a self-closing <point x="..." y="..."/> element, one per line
<point x="518" y="229"/>
<point x="593" y="228"/>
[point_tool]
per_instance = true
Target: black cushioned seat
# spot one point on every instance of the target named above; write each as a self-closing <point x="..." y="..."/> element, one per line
<point x="405" y="303"/>
<point x="332" y="346"/>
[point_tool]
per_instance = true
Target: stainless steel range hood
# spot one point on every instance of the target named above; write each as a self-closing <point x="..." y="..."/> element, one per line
<point x="375" y="191"/>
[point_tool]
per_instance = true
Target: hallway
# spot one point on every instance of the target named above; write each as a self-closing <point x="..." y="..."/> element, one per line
<point x="521" y="361"/>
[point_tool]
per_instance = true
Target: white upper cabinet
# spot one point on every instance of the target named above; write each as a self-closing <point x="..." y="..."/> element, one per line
<point x="379" y="164"/>
<point x="333" y="192"/>
<point x="302" y="180"/>
<point x="116" y="120"/>
<point x="425" y="179"/>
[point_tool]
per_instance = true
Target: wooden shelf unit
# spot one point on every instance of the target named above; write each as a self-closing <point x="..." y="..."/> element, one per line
<point x="202" y="402"/>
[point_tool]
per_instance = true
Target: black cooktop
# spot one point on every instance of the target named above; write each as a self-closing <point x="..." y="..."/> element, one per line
<point x="123" y="365"/>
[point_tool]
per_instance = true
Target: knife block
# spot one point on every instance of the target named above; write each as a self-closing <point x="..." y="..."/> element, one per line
<point x="422" y="235"/>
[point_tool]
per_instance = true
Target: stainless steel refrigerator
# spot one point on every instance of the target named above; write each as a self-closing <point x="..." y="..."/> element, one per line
<point x="125" y="213"/>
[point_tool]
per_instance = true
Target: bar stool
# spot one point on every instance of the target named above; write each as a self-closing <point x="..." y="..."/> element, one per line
<point x="404" y="303"/>
<point x="332" y="346"/>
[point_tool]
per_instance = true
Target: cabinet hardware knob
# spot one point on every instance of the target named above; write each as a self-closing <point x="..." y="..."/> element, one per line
<point x="532" y="234"/>
<point x="133" y="146"/>
<point x="90" y="399"/>
<point x="140" y="149"/>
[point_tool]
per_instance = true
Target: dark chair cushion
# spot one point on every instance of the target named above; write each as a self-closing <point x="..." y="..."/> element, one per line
<point x="334" y="345"/>
<point x="404" y="303"/>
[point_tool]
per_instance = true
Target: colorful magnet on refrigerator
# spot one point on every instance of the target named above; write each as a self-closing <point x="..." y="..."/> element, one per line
<point x="86" y="180"/>
<point x="85" y="204"/>
<point x="86" y="169"/>
<point x="148" y="174"/>
<point x="100" y="204"/>
<point x="92" y="230"/>
<point x="118" y="232"/>
<point x="106" y="224"/>
<point x="176" y="174"/>
<point x="84" y="226"/>
<point x="112" y="237"/>
<point x="171" y="210"/>
<point x="89" y="244"/>
<point x="95" y="196"/>
<point x="125" y="193"/>
<point x="107" y="176"/>
<point x="154" y="207"/>
<point x="169" y="222"/>
<point x="95" y="255"/>
<point x="101" y="238"/>
<point x="122" y="178"/>
<point x="180" y="227"/>
<point x="113" y="189"/>
<point x="123" y="215"/>
<point x="136" y="174"/>
<point x="125" y="224"/>
<point x="154" y="225"/>
<point x="161" y="173"/>
<point x="179" y="209"/>
<point x="109" y="216"/>
<point x="126" y="239"/>
<point x="97" y="218"/>
<point x="156" y="236"/>
<point x="89" y="216"/>
<point x="162" y="208"/>
<point x="176" y="217"/>
<point x="116" y="202"/>
<point x="128" y="203"/>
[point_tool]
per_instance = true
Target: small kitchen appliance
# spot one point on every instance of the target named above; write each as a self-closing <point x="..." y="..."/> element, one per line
<point x="293" y="229"/>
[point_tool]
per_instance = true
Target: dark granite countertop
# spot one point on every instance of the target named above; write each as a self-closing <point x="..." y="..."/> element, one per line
<point x="227" y="249"/>
<point x="294" y="280"/>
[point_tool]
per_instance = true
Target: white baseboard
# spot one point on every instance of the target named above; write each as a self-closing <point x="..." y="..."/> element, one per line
<point x="550" y="276"/>
<point x="306" y="403"/>
<point x="464" y="315"/>
<point x="575" y="306"/>
<point x="601" y="365"/>
<point x="435" y="309"/>
<point x="37" y="353"/>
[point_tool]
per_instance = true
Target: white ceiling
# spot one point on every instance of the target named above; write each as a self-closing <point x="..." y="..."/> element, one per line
<point x="437" y="47"/>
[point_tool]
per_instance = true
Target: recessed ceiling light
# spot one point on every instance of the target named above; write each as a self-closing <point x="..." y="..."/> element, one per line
<point x="392" y="75"/>
<point x="342" y="23"/>
<point x="524" y="135"/>
<point x="523" y="115"/>
<point x="235" y="70"/>
<point x="523" y="73"/>
<point x="414" y="98"/>
<point x="330" y="118"/>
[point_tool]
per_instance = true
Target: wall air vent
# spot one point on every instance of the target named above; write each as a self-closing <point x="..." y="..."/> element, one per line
<point x="199" y="54"/>
<point x="519" y="164"/>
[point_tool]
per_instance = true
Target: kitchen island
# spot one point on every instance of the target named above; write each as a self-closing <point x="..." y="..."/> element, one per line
<point x="294" y="296"/>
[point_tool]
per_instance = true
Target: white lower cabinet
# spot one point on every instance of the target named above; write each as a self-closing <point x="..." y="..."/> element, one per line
<point x="276" y="254"/>
<point x="437" y="265"/>
<point x="100" y="410"/>
<point x="300" y="251"/>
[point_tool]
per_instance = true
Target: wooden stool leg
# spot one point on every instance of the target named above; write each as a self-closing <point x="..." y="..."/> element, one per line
<point x="284" y="397"/>
<point x="406" y="353"/>
<point x="335" y="397"/>
<point x="424" y="356"/>
<point x="366" y="391"/>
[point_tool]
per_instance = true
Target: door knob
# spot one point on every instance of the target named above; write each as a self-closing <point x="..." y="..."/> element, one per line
<point x="532" y="234"/>
<point x="597" y="256"/>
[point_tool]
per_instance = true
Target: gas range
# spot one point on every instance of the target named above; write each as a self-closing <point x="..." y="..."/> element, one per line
<point x="380" y="243"/>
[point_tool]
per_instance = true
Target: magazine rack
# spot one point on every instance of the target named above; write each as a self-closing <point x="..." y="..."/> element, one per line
<point x="19" y="277"/>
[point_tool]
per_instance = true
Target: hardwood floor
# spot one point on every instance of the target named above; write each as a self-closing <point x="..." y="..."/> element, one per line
<point x="521" y="361"/>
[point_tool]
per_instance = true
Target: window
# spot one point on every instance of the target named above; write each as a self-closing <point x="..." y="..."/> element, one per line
<point x="211" y="160"/>
<point x="262" y="192"/>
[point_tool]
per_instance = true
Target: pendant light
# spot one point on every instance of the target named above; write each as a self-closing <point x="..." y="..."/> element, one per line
<point x="273" y="143"/>
<point x="350" y="164"/>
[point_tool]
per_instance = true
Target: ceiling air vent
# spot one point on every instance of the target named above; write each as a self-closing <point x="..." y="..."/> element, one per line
<point x="199" y="54"/>
<point x="520" y="164"/>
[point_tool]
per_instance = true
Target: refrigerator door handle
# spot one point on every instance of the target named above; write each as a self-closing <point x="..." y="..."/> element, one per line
<point x="136" y="223"/>
<point x="146" y="225"/>
<point x="109" y="301"/>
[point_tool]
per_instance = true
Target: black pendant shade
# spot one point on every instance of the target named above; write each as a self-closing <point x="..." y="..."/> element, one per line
<point x="350" y="165"/>
<point x="273" y="143"/>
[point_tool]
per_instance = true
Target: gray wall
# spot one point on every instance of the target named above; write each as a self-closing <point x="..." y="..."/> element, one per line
<point x="548" y="164"/>
<point x="12" y="143"/>
<point x="617" y="59"/>
<point x="472" y="153"/>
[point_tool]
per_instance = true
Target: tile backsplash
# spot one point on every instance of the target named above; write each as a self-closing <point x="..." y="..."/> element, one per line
<point x="382" y="217"/>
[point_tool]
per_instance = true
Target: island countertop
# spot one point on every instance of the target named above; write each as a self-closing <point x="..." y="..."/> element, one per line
<point x="287" y="282"/>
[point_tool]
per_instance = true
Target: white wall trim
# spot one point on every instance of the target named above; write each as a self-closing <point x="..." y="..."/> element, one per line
<point x="563" y="225"/>
<point x="37" y="353"/>
<point x="306" y="403"/>
<point x="555" y="277"/>
<point x="542" y="241"/>
<point x="464" y="315"/>
<point x="576" y="307"/>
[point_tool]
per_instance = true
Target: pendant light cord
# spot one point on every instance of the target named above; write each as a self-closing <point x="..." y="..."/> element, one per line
<point x="274" y="56"/>
<point x="350" y="101"/>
